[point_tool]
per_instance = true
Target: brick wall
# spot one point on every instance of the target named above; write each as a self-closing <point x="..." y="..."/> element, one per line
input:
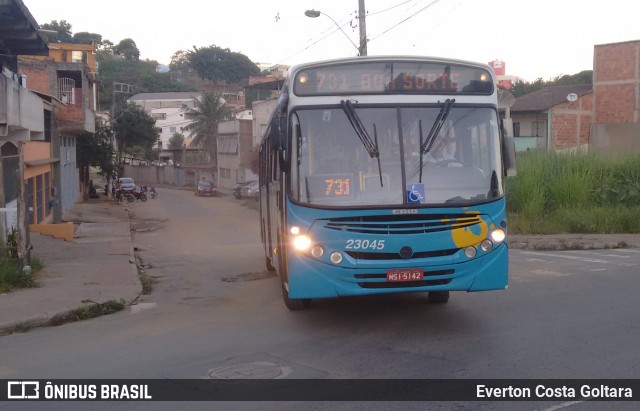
<point x="37" y="79"/>
<point x="616" y="76"/>
<point x="571" y="122"/>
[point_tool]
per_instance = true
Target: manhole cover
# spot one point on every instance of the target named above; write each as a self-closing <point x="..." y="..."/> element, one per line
<point x="255" y="370"/>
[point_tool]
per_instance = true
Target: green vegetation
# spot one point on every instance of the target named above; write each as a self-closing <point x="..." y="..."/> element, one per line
<point x="88" y="311"/>
<point x="13" y="275"/>
<point x="586" y="193"/>
<point x="208" y="112"/>
<point x="147" y="281"/>
<point x="521" y="88"/>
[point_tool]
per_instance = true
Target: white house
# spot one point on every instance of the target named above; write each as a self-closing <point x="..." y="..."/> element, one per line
<point x="168" y="110"/>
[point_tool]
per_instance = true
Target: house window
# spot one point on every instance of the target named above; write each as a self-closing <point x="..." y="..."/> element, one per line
<point x="47" y="125"/>
<point x="76" y="57"/>
<point x="66" y="87"/>
<point x="10" y="169"/>
<point x="172" y="130"/>
<point x="516" y="129"/>
<point x="228" y="146"/>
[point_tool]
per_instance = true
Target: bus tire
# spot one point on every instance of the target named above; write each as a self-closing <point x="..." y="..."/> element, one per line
<point x="293" y="304"/>
<point x="438" y="296"/>
<point x="270" y="266"/>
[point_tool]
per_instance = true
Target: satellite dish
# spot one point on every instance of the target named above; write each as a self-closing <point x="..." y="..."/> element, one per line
<point x="572" y="97"/>
<point x="505" y="99"/>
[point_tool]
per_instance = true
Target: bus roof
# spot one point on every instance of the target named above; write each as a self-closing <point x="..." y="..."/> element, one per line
<point x="398" y="58"/>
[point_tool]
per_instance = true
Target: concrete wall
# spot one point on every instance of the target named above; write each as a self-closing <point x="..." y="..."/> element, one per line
<point x="151" y="175"/>
<point x="615" y="138"/>
<point x="262" y="111"/>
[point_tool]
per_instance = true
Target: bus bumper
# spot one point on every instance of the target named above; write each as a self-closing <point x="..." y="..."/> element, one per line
<point x="310" y="278"/>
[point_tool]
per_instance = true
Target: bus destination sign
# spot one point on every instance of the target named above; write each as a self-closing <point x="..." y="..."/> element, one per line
<point x="393" y="78"/>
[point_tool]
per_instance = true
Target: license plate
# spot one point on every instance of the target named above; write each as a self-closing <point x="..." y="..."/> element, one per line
<point x="409" y="274"/>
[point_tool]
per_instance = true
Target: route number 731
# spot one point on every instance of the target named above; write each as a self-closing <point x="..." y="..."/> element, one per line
<point x="353" y="244"/>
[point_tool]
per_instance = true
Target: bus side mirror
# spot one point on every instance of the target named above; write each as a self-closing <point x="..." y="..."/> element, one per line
<point x="508" y="148"/>
<point x="278" y="134"/>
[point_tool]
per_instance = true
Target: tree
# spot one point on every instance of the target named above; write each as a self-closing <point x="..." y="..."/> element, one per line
<point x="584" y="77"/>
<point x="134" y="130"/>
<point x="180" y="63"/>
<point x="176" y="141"/>
<point x="141" y="74"/>
<point x="85" y="37"/>
<point x="521" y="88"/>
<point x="207" y="113"/>
<point x="217" y="64"/>
<point x="105" y="47"/>
<point x="128" y="49"/>
<point x="62" y="29"/>
<point x="95" y="151"/>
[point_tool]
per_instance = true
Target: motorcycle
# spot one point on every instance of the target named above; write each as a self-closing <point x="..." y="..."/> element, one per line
<point x="137" y="195"/>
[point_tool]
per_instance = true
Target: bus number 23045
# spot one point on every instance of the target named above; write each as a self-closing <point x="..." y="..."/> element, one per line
<point x="353" y="244"/>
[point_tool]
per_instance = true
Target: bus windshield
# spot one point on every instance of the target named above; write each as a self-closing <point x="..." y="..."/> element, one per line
<point x="456" y="163"/>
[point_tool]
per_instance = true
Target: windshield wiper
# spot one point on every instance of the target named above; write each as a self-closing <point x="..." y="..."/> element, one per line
<point x="425" y="146"/>
<point x="370" y="145"/>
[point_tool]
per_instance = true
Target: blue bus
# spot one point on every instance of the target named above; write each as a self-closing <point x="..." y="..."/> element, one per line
<point x="385" y="175"/>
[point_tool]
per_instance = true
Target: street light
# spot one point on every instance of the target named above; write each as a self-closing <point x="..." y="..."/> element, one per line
<point x="316" y="13"/>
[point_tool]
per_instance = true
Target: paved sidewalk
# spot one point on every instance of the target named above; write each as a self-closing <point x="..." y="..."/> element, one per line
<point x="574" y="241"/>
<point x="98" y="267"/>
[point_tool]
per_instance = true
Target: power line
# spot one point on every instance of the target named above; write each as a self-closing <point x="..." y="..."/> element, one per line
<point x="399" y="23"/>
<point x="390" y="8"/>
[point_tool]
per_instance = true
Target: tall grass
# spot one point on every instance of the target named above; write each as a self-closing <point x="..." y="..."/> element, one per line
<point x="578" y="193"/>
<point x="13" y="275"/>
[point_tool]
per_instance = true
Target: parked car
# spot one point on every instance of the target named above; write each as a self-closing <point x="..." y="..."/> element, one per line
<point x="250" y="190"/>
<point x="127" y="184"/>
<point x="205" y="188"/>
<point x="237" y="189"/>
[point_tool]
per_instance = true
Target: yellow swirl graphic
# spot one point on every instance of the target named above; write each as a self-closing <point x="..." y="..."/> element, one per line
<point x="465" y="236"/>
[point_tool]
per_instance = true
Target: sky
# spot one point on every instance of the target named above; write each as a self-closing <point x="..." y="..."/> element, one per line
<point x="535" y="39"/>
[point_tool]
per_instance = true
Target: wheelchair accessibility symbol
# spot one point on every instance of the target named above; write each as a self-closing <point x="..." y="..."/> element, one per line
<point x="415" y="193"/>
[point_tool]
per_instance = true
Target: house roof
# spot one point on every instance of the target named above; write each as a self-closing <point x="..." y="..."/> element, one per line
<point x="548" y="97"/>
<point x="19" y="31"/>
<point x="173" y="95"/>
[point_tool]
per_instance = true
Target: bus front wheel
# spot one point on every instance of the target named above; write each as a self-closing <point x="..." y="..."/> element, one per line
<point x="438" y="296"/>
<point x="293" y="304"/>
<point x="270" y="266"/>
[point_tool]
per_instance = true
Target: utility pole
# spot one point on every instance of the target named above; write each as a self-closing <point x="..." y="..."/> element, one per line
<point x="117" y="88"/>
<point x="363" y="28"/>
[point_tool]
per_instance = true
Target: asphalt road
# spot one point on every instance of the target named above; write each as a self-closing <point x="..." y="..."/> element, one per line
<point x="215" y="311"/>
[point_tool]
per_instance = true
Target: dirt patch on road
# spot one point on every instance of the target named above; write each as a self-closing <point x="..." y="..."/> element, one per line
<point x="249" y="276"/>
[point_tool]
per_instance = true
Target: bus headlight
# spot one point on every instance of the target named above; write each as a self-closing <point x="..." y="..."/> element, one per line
<point x="498" y="235"/>
<point x="486" y="245"/>
<point x="302" y="242"/>
<point x="317" y="251"/>
<point x="470" y="252"/>
<point x="336" y="257"/>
